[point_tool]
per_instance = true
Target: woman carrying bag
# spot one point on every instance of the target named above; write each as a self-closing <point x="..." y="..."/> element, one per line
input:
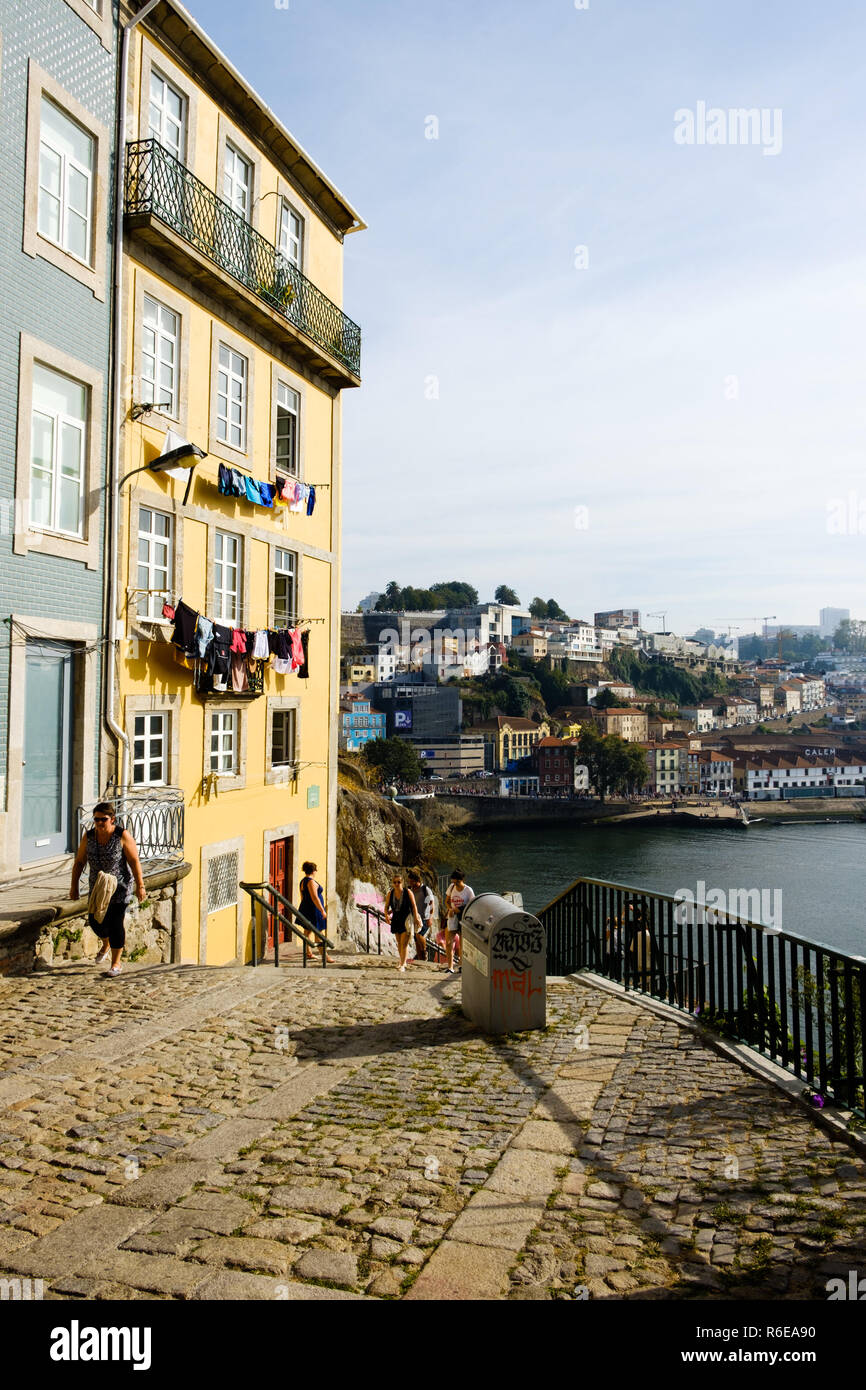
<point x="112" y="860"/>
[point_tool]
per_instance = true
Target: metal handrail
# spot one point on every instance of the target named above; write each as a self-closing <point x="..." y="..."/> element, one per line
<point x="380" y="918"/>
<point x="255" y="892"/>
<point x="798" y="1002"/>
<point x="160" y="185"/>
<point x="368" y="911"/>
<point x="154" y="817"/>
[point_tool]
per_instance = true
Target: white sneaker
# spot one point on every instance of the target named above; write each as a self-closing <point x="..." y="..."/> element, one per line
<point x="115" y="970"/>
<point x="97" y="960"/>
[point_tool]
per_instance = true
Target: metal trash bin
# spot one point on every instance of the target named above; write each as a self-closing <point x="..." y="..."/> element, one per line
<point x="504" y="958"/>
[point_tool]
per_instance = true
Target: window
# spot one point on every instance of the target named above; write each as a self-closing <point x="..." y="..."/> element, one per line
<point x="226" y="582"/>
<point x="237" y="180"/>
<point x="282" y="737"/>
<point x="57" y="449"/>
<point x="285" y="588"/>
<point x="166" y="116"/>
<point x="96" y="13"/>
<point x="149" y="750"/>
<point x="232" y="398"/>
<point x="291" y="235"/>
<point x="224" y="742"/>
<point x="154" y="561"/>
<point x="222" y="881"/>
<point x="288" y="408"/>
<point x="66" y="165"/>
<point x="160" y="355"/>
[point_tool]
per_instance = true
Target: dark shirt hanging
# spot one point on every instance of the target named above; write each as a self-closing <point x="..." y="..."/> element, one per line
<point x="220" y="653"/>
<point x="304" y="669"/>
<point x="185" y="619"/>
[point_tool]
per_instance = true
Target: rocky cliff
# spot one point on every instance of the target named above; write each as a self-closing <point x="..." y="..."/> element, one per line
<point x="374" y="837"/>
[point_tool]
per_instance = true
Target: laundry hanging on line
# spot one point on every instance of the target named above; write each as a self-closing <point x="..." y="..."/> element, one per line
<point x="225" y="657"/>
<point x="288" y="492"/>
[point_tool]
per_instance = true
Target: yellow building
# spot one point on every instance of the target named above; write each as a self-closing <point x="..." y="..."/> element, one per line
<point x="508" y="739"/>
<point x="233" y="342"/>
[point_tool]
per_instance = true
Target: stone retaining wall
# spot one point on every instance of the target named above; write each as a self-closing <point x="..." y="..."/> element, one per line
<point x="60" y="932"/>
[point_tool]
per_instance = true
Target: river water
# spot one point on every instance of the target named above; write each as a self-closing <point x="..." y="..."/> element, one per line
<point x="814" y="875"/>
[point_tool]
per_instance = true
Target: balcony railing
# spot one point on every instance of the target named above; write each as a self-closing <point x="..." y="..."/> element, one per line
<point x="154" y="818"/>
<point x="158" y="185"/>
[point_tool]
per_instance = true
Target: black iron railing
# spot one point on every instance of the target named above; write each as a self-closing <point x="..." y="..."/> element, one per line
<point x="268" y="902"/>
<point x="431" y="947"/>
<point x="158" y="184"/>
<point x="798" y="1002"/>
<point x="153" y="816"/>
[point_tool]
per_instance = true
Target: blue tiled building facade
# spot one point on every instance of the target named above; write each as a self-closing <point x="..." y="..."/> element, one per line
<point x="58" y="82"/>
<point x="359" y="724"/>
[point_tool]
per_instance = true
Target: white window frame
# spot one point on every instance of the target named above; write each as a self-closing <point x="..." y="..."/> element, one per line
<point x="233" y="164"/>
<point x="96" y="13"/>
<point x="228" y="373"/>
<point x="149" y="604"/>
<point x="166" y="119"/>
<point x="162" y="336"/>
<point x="224" y="725"/>
<point x="59" y="422"/>
<point x="290" y="246"/>
<point x="287" y="403"/>
<point x="148" y="738"/>
<point x="69" y="166"/>
<point x="227" y="599"/>
<point x="286" y="567"/>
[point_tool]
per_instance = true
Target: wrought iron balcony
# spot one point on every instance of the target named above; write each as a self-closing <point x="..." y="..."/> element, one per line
<point x="159" y="186"/>
<point x="154" y="818"/>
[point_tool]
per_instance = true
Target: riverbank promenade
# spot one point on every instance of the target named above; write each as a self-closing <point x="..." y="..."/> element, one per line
<point x="226" y="1134"/>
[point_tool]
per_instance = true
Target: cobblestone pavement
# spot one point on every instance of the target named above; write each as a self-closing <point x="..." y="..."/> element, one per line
<point x="263" y="1134"/>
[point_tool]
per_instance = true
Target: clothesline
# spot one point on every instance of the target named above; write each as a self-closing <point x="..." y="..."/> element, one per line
<point x="245" y="472"/>
<point x="220" y="653"/>
<point x="286" y="492"/>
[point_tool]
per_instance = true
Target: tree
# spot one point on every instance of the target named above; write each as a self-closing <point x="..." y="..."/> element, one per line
<point x="638" y="772"/>
<point x="591" y="754"/>
<point x="554" y="611"/>
<point x="612" y="763"/>
<point x="605" y="699"/>
<point x="538" y="608"/>
<point x="389" y="601"/>
<point x="851" y="636"/>
<point x="394" y="759"/>
<point x="505" y="595"/>
<point x="455" y="593"/>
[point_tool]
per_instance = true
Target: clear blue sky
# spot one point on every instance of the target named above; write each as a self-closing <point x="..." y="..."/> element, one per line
<point x="607" y="388"/>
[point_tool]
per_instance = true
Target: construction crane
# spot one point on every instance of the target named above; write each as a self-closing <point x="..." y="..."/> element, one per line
<point x="663" y="617"/>
<point x="770" y="618"/>
<point x="781" y="636"/>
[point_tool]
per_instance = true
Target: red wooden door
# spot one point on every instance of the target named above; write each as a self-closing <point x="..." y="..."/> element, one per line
<point x="280" y="877"/>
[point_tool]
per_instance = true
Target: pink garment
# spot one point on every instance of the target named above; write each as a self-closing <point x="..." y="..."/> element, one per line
<point x="297" y="649"/>
<point x="239" y="672"/>
<point x="239" y="640"/>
